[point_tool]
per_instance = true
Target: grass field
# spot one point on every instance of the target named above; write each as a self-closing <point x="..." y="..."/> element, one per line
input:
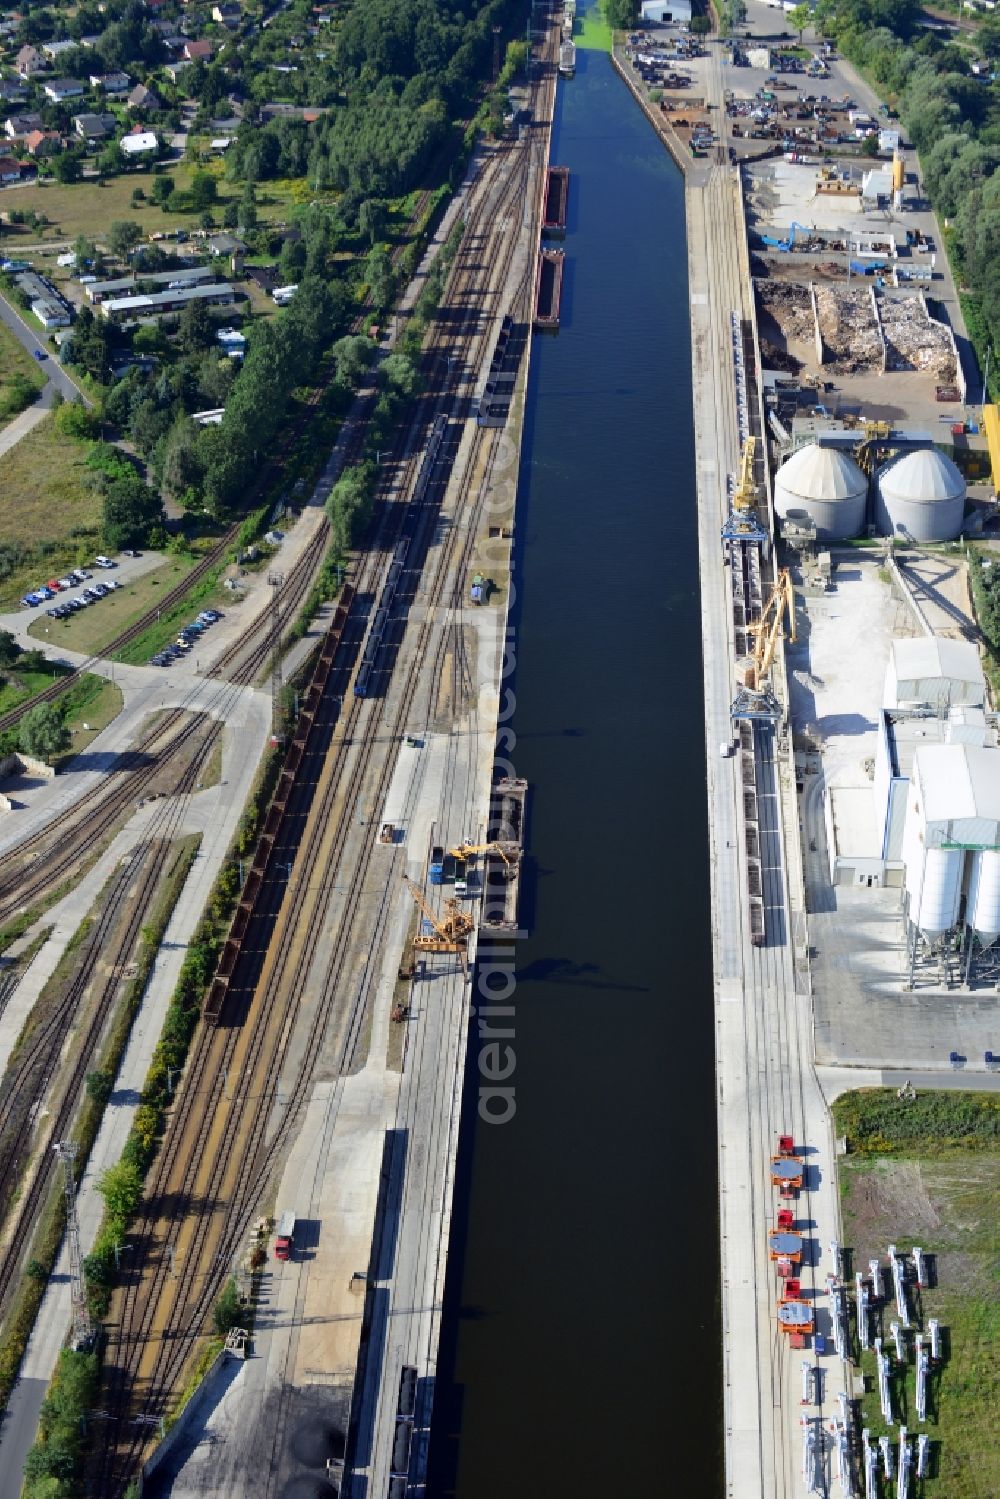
<point x="91" y="629"/>
<point x="19" y="685"/>
<point x="20" y="377"/>
<point x="89" y="207"/>
<point x="45" y="493"/>
<point x="945" y="1196"/>
<point x="93" y="703"/>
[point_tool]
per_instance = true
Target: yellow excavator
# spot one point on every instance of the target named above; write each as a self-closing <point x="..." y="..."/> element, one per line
<point x="508" y="852"/>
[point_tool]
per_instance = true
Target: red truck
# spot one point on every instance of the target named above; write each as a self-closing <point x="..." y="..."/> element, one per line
<point x="284" y="1239"/>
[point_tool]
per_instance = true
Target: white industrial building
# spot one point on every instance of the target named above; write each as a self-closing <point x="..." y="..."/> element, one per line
<point x="934" y="672"/>
<point x="951" y="846"/>
<point x="826" y="486"/>
<point x="660" y="11"/>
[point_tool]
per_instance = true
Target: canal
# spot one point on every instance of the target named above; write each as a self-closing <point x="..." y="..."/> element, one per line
<point x="581" y="1337"/>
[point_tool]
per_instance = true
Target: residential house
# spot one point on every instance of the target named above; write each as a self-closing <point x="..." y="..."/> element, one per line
<point x="12" y="170"/>
<point x="141" y="143"/>
<point x="29" y="61"/>
<point x="227" y="14"/>
<point x="54" y="50"/>
<point x="94" y="127"/>
<point x="12" y="91"/>
<point x="63" y="88"/>
<point x="142" y="97"/>
<point x="175" y="70"/>
<point x="226" y="244"/>
<point x="43" y="143"/>
<point x="18" y="126"/>
<point x="200" y="51"/>
<point x="111" y="83"/>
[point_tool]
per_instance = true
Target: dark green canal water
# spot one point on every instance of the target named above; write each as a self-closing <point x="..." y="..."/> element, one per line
<point x="580" y="1349"/>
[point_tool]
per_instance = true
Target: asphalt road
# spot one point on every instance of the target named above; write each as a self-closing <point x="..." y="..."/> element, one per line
<point x="58" y="378"/>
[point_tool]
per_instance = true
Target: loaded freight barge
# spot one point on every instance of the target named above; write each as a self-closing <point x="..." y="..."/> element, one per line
<point x="502" y="863"/>
<point x="556" y="199"/>
<point x="548" y="289"/>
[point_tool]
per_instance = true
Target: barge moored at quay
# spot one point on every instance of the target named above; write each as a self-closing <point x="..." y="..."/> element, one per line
<point x="556" y="202"/>
<point x="548" y="289"/>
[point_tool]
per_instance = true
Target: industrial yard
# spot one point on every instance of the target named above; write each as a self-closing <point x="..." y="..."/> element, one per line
<point x="834" y="380"/>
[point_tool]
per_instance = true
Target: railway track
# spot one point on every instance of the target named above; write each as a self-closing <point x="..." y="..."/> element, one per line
<point x="189" y="1170"/>
<point x="42" y="1052"/>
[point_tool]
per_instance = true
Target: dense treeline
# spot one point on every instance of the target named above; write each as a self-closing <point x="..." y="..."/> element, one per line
<point x="406" y="70"/>
<point x="953" y="119"/>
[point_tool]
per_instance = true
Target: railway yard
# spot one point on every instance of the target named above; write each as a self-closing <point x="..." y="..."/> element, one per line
<point x="322" y="1090"/>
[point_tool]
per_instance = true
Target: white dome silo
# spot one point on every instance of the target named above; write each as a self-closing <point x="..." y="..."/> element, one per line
<point x="921" y="497"/>
<point x="825" y="484"/>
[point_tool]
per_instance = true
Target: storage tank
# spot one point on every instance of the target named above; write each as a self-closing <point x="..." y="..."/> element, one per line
<point x="921" y="496"/>
<point x="984" y="896"/>
<point x="827" y="486"/>
<point x="934" y="887"/>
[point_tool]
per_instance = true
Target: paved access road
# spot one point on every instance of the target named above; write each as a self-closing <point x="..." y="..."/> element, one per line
<point x="58" y="378"/>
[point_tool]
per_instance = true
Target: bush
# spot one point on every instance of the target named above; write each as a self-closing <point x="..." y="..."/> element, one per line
<point x="228" y="1310"/>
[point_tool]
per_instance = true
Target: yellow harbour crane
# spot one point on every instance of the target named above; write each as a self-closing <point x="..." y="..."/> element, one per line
<point x="768" y="629"/>
<point x="745" y="494"/>
<point x="450" y="934"/>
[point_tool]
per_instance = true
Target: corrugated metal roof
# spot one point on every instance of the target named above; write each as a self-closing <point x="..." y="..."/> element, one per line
<point x="924" y="475"/>
<point x="815" y="473"/>
<point x="924" y="656"/>
<point x="958" y="794"/>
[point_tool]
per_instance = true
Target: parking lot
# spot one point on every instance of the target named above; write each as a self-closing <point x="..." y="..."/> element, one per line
<point x="91" y="592"/>
<point x="187" y="638"/>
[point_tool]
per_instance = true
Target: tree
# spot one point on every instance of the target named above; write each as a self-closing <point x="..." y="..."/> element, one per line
<point x="130" y="509"/>
<point x="123" y="236"/>
<point x="90" y="347"/>
<point x="99" y="1086"/>
<point x="42" y="733"/>
<point x="372" y="220"/>
<point x="248" y="208"/>
<point x="799" y="18"/>
<point x="162" y="189"/>
<point x="381" y="279"/>
<point x="68" y="166"/>
<point x="33" y="661"/>
<point x="701" y="25"/>
<point x="73" y="419"/>
<point x="9" y="648"/>
<point x="121" y="1187"/>
<point x="196" y="328"/>
<point x="204" y="191"/>
<point x="622" y="14"/>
